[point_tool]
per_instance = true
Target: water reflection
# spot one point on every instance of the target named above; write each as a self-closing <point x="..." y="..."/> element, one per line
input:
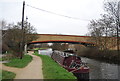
<point x="100" y="70"/>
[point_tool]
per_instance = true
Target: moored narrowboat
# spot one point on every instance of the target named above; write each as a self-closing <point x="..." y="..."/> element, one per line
<point x="72" y="63"/>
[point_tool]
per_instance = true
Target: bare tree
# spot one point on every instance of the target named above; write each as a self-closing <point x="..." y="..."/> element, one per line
<point x="113" y="9"/>
<point x="107" y="25"/>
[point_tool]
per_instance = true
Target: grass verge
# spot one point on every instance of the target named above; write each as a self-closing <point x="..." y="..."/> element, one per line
<point x="6" y="75"/>
<point x="52" y="70"/>
<point x="19" y="63"/>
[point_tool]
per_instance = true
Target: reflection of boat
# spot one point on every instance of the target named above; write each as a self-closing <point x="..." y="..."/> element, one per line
<point x="72" y="63"/>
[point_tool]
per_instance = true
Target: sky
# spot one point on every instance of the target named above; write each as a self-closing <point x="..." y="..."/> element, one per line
<point x="80" y="11"/>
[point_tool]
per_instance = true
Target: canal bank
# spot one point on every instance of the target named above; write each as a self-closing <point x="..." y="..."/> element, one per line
<point x="107" y="56"/>
<point x="98" y="69"/>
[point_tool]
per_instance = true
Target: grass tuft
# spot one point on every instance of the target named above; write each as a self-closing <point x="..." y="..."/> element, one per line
<point x="19" y="63"/>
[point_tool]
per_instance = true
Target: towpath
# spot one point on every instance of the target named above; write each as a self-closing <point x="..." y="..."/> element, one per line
<point x="32" y="71"/>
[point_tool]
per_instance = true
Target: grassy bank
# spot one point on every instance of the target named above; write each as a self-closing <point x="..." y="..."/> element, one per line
<point x="52" y="70"/>
<point x="6" y="75"/>
<point x="19" y="63"/>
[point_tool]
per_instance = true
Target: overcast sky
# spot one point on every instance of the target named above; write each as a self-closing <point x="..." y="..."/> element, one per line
<point x="46" y="23"/>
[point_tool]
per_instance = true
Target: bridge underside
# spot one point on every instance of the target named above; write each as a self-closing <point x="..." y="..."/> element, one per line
<point x="64" y="41"/>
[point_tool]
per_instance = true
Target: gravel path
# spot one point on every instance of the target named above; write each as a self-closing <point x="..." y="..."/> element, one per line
<point x="32" y="71"/>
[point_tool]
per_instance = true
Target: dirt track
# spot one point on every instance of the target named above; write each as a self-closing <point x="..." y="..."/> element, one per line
<point x="32" y="71"/>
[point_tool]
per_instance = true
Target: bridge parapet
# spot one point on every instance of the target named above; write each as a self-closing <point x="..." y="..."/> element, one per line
<point x="45" y="37"/>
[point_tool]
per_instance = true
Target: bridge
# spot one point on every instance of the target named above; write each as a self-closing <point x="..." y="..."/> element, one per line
<point x="74" y="39"/>
<point x="54" y="38"/>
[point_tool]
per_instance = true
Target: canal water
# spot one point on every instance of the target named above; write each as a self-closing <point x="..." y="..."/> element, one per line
<point x="101" y="70"/>
<point x="98" y="69"/>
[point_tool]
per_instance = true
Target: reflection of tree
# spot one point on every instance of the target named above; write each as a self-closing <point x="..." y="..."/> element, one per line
<point x="96" y="70"/>
<point x="99" y="70"/>
<point x="119" y="72"/>
<point x="110" y="71"/>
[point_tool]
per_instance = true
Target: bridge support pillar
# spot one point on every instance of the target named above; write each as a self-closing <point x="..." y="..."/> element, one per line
<point x="25" y="49"/>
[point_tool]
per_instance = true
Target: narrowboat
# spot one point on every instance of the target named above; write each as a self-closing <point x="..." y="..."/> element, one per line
<point x="72" y="63"/>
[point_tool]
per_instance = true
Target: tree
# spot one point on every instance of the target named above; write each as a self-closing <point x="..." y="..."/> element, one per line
<point x="13" y="36"/>
<point x="107" y="25"/>
<point x="113" y="9"/>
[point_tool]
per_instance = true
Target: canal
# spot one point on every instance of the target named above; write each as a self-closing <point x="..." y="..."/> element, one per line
<point x="101" y="70"/>
<point x="98" y="69"/>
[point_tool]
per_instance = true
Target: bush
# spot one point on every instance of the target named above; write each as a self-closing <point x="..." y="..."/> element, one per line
<point x="7" y="57"/>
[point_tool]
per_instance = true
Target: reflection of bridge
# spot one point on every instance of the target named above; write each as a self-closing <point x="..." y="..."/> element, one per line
<point x="53" y="38"/>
